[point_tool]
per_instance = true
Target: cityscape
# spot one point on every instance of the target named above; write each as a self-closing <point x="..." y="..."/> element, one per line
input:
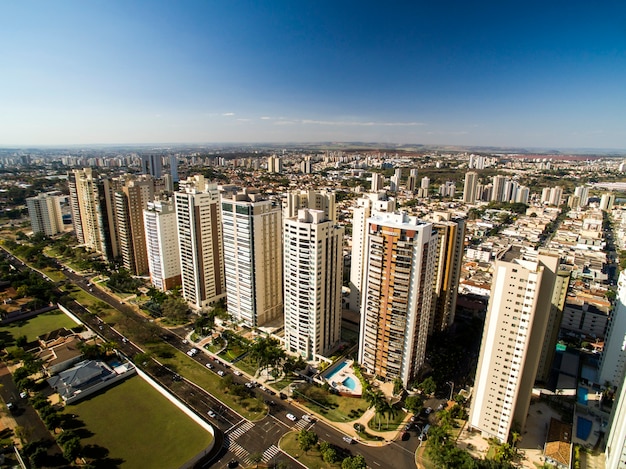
<point x="324" y="235"/>
<point x="311" y="307"/>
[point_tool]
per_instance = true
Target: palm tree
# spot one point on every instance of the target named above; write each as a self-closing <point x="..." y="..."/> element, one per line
<point x="390" y="411"/>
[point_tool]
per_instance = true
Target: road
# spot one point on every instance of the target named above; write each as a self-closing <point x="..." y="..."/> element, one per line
<point x="237" y="437"/>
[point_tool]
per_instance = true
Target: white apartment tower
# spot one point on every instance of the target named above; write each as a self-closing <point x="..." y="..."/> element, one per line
<point x="378" y="181"/>
<point x="311" y="199"/>
<point x="513" y="337"/>
<point x="613" y="362"/>
<point x="199" y="223"/>
<point x="313" y="265"/>
<point x="162" y="244"/>
<point x="45" y="215"/>
<point x="469" y="189"/>
<point x="397" y="290"/>
<point x="253" y="261"/>
<point x="615" y="452"/>
<point x="367" y="205"/>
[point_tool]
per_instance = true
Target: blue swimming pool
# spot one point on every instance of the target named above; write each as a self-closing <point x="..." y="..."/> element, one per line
<point x="336" y="370"/>
<point x="582" y="395"/>
<point x="583" y="428"/>
<point x="349" y="383"/>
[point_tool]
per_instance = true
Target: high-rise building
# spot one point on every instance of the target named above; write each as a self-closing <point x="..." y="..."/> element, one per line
<point x="199" y="222"/>
<point x="613" y="361"/>
<point x="274" y="164"/>
<point x="378" y="181"/>
<point x="87" y="211"/>
<point x="311" y="199"/>
<point x="313" y="265"/>
<point x="45" y="214"/>
<point x="607" y="201"/>
<point x="615" y="452"/>
<point x="253" y="261"/>
<point x="161" y="234"/>
<point x="367" y="205"/>
<point x="174" y="168"/>
<point x="497" y="193"/>
<point x="449" y="257"/>
<point x="152" y="165"/>
<point x="397" y="290"/>
<point x="582" y="192"/>
<point x="515" y="327"/>
<point x="130" y="202"/>
<point x="469" y="189"/>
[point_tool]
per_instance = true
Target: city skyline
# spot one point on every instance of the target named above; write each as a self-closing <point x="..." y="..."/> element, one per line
<point x="139" y="72"/>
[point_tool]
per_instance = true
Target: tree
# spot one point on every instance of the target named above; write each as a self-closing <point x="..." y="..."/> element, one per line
<point x="428" y="386"/>
<point x="307" y="439"/>
<point x="354" y="462"/>
<point x="175" y="309"/>
<point x="397" y="386"/>
<point x="414" y="403"/>
<point x="329" y="453"/>
<point x="72" y="449"/>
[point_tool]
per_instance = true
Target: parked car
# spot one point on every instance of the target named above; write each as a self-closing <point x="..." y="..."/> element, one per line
<point x="209" y="366"/>
<point x="220" y="372"/>
<point x="237" y="373"/>
<point x="192" y="352"/>
<point x="292" y="417"/>
<point x="428" y="410"/>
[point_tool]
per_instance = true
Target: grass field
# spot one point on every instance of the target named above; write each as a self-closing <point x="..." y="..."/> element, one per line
<point x="139" y="427"/>
<point x="338" y="409"/>
<point x="312" y="459"/>
<point x="34" y="327"/>
<point x="380" y="422"/>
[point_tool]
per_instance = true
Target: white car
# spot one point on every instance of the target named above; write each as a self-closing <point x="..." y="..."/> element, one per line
<point x="209" y="366"/>
<point x="193" y="352"/>
<point x="348" y="440"/>
<point x="292" y="417"/>
<point x="220" y="372"/>
<point x="211" y="414"/>
<point x="237" y="373"/>
<point x="307" y="418"/>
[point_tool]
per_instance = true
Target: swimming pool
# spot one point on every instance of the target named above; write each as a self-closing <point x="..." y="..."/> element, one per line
<point x="582" y="395"/>
<point x="583" y="428"/>
<point x="336" y="370"/>
<point x="349" y="383"/>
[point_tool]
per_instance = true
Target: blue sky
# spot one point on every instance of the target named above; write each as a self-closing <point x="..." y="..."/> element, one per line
<point x="532" y="74"/>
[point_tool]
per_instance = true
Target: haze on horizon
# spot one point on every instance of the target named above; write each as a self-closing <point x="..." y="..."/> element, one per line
<point x="457" y="73"/>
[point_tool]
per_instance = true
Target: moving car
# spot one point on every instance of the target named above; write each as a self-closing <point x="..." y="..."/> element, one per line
<point x="211" y="414"/>
<point x="348" y="440"/>
<point x="292" y="417"/>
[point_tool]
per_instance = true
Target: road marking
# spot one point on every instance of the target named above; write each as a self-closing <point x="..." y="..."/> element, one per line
<point x="376" y="463"/>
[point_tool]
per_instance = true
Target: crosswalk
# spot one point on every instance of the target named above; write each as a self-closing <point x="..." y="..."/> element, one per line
<point x="240" y="452"/>
<point x="300" y="424"/>
<point x="237" y="432"/>
<point x="243" y="454"/>
<point x="270" y="452"/>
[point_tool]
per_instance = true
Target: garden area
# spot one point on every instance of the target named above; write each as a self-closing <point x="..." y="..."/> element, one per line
<point x="332" y="406"/>
<point x="34" y="327"/>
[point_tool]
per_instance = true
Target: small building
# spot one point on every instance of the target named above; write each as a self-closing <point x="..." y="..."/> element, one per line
<point x="558" y="446"/>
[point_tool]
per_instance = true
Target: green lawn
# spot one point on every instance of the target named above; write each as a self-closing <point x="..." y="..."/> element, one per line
<point x="337" y="408"/>
<point x="139" y="426"/>
<point x="38" y="325"/>
<point x="312" y="459"/>
<point x="380" y="422"/>
<point x="253" y="409"/>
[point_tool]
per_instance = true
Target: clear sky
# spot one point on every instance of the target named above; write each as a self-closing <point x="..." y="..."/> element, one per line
<point x="504" y="73"/>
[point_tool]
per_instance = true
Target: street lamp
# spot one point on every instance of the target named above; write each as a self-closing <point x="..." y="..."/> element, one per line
<point x="451" y="384"/>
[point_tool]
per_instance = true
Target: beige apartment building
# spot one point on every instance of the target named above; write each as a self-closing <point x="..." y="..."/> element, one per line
<point x="198" y="218"/>
<point x="517" y="320"/>
<point x="162" y="244"/>
<point x="45" y="215"/>
<point x="253" y="261"/>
